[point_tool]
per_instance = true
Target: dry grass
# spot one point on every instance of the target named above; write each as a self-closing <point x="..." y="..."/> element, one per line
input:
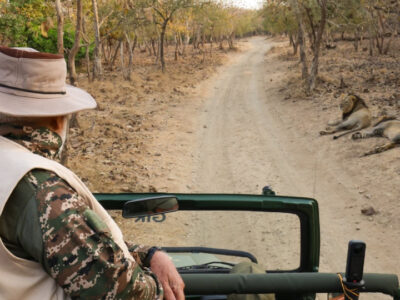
<point x="343" y="70"/>
<point x="109" y="150"/>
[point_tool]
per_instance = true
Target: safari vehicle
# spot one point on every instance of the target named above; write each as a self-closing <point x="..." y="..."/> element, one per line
<point x="287" y="243"/>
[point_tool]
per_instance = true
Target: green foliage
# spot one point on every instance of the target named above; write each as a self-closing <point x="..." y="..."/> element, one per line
<point x="248" y="22"/>
<point x="216" y="20"/>
<point x="49" y="44"/>
<point x="43" y="44"/>
<point x="21" y="19"/>
<point x="30" y="24"/>
<point x="350" y="14"/>
<point x="355" y="17"/>
<point x="12" y="28"/>
<point x="279" y="18"/>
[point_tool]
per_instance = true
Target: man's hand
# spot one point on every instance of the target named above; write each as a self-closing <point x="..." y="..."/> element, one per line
<point x="172" y="283"/>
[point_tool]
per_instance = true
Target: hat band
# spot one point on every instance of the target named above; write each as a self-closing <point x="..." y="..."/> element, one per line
<point x="32" y="91"/>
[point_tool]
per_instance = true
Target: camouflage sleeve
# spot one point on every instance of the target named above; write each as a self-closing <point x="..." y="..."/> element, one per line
<point x="79" y="252"/>
<point x="139" y="253"/>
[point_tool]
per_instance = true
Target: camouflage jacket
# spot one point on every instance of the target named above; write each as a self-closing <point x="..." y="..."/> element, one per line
<point x="45" y="220"/>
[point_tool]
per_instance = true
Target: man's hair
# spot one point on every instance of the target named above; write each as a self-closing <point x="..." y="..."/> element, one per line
<point x="6" y="119"/>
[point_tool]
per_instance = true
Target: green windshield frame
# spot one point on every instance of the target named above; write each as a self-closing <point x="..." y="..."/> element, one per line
<point x="305" y="208"/>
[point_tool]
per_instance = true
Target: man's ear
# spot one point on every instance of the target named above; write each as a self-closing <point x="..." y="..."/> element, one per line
<point x="57" y="123"/>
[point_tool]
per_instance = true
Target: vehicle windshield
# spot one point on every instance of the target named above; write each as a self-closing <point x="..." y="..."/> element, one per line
<point x="272" y="238"/>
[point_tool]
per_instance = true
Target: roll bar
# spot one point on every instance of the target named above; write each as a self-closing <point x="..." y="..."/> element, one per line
<point x="283" y="283"/>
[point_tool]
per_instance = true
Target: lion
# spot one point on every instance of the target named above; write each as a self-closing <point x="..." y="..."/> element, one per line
<point x="388" y="127"/>
<point x="355" y="116"/>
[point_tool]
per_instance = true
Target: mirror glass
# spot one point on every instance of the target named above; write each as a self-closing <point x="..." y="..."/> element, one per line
<point x="149" y="206"/>
<point x="273" y="238"/>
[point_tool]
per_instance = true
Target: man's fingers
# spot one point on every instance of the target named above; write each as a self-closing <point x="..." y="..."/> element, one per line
<point x="178" y="291"/>
<point x="168" y="293"/>
<point x="168" y="276"/>
<point x="177" y="287"/>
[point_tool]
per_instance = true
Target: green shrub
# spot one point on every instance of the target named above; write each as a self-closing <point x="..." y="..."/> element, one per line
<point x="49" y="43"/>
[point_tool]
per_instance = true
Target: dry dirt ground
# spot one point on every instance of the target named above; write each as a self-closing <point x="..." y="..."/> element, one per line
<point x="246" y="126"/>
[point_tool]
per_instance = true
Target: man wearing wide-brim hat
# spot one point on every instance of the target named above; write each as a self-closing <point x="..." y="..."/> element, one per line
<point x="57" y="242"/>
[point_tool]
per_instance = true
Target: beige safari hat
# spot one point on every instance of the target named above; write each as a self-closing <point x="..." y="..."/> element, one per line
<point x="32" y="84"/>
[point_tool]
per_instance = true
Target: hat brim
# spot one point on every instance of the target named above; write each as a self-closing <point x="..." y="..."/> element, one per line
<point x="75" y="100"/>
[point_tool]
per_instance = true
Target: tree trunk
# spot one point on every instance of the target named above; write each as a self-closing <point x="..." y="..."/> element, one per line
<point x="106" y="52"/>
<point x="153" y="45"/>
<point x="157" y="52"/>
<point x="197" y="38"/>
<point x="317" y="46"/>
<point x="303" y="55"/>
<point x="379" y="43"/>
<point x="87" y="41"/>
<point x="371" y="41"/>
<point x="176" y="47"/>
<point x="60" y="28"/>
<point x="356" y="39"/>
<point x="122" y="58"/>
<point x="294" y="43"/>
<point x="230" y="41"/>
<point x="386" y="49"/>
<point x="130" y="62"/>
<point x="115" y="55"/>
<point x="87" y="56"/>
<point x="97" y="55"/>
<point x="221" y="43"/>
<point x="180" y="47"/>
<point x="393" y="34"/>
<point x="162" y="38"/>
<point x="134" y="44"/>
<point x="76" y="46"/>
<point x="301" y="40"/>
<point x="148" y="48"/>
<point x="185" y="42"/>
<point x="211" y="45"/>
<point x="371" y="31"/>
<point x="312" y="34"/>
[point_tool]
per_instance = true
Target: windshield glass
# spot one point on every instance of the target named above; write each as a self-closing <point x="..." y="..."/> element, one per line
<point x="272" y="238"/>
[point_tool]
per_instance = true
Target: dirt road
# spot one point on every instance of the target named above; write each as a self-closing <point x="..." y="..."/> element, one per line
<point x="239" y="135"/>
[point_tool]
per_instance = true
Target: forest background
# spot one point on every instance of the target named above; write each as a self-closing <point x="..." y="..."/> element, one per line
<point x="340" y="46"/>
<point x="99" y="31"/>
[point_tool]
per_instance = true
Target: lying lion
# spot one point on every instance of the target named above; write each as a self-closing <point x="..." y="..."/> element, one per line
<point x="388" y="127"/>
<point x="355" y="116"/>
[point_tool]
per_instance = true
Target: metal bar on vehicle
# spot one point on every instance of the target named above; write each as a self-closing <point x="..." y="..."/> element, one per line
<point x="283" y="283"/>
<point x="226" y="252"/>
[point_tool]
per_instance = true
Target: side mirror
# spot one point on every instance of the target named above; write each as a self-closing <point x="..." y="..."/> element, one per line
<point x="149" y="206"/>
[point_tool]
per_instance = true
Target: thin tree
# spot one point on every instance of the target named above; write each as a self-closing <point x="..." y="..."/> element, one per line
<point x="60" y="27"/>
<point x="301" y="39"/>
<point x="97" y="53"/>
<point x="75" y="48"/>
<point x="317" y="45"/>
<point x="165" y="10"/>
<point x="316" y="34"/>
